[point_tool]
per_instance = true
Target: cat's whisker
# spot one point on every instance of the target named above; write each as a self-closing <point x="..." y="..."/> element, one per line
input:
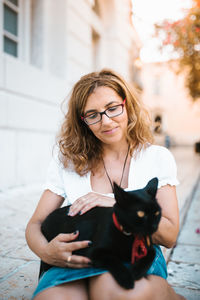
<point x="127" y="233"/>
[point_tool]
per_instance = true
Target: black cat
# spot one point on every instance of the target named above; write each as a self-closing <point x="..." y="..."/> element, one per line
<point x="119" y="234"/>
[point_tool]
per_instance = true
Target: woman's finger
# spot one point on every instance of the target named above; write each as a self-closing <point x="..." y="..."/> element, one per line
<point x="89" y="206"/>
<point x="67" y="237"/>
<point x="98" y="201"/>
<point x="80" y="203"/>
<point x="78" y="260"/>
<point x="70" y="247"/>
<point x="83" y="204"/>
<point x="77" y="266"/>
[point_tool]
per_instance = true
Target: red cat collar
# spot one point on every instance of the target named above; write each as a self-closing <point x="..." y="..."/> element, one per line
<point x="118" y="226"/>
<point x="139" y="248"/>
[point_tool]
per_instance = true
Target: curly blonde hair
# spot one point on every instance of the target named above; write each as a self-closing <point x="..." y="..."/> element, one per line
<point x="77" y="144"/>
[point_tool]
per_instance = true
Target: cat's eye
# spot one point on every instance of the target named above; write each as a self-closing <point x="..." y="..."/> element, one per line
<point x="157" y="213"/>
<point x="140" y="213"/>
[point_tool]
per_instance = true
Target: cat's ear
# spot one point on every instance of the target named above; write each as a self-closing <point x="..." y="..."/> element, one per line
<point x="152" y="187"/>
<point x="119" y="194"/>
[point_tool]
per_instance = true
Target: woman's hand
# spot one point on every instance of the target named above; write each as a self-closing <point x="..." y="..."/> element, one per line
<point x="88" y="201"/>
<point x="58" y="251"/>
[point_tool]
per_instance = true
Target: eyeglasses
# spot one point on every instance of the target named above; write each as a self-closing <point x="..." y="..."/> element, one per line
<point x="111" y="112"/>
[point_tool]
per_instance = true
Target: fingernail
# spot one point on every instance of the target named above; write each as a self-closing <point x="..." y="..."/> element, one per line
<point x="75" y="232"/>
<point x="89" y="243"/>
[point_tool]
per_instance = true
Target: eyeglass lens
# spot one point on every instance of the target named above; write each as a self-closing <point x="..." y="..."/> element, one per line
<point x="110" y="113"/>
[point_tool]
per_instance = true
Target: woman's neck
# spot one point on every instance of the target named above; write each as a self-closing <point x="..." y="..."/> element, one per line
<point x="115" y="151"/>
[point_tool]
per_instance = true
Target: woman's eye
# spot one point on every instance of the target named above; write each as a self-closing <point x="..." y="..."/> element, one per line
<point x="111" y="109"/>
<point x="92" y="116"/>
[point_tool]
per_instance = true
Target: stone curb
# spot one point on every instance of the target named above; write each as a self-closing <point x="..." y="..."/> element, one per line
<point x="187" y="203"/>
<point x="182" y="215"/>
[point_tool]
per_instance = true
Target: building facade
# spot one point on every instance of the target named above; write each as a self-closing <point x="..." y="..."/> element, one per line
<point x="45" y="47"/>
<point x="176" y="117"/>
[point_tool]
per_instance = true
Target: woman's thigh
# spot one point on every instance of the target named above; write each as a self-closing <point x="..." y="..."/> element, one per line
<point x="69" y="291"/>
<point x="151" y="288"/>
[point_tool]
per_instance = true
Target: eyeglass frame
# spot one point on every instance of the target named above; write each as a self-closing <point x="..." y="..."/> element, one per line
<point x="104" y="113"/>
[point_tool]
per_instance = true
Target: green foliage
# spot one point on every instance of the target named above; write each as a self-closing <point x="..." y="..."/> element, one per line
<point x="183" y="38"/>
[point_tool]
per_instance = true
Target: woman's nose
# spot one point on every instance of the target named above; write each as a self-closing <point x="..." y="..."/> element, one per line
<point x="105" y="119"/>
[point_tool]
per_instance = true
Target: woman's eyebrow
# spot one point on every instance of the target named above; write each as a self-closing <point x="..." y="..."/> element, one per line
<point x="112" y="102"/>
<point x="108" y="104"/>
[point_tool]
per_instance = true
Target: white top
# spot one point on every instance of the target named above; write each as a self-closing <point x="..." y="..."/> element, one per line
<point x="154" y="161"/>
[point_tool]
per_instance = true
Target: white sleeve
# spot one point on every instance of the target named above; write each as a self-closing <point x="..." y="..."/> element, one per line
<point x="167" y="169"/>
<point x="54" y="179"/>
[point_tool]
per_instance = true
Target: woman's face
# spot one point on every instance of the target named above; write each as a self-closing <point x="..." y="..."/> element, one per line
<point x="108" y="130"/>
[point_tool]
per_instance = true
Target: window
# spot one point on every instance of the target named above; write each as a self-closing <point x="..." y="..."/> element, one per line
<point x="10" y="27"/>
<point x="158" y="124"/>
<point x="96" y="7"/>
<point x="95" y="49"/>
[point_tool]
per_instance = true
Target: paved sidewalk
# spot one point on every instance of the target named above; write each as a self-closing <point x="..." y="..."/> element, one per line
<point x="184" y="263"/>
<point x="19" y="266"/>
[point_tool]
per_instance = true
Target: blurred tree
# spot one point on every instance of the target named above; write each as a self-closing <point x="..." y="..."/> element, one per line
<point x="183" y="38"/>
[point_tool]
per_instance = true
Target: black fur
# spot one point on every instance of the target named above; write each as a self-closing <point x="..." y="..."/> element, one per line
<point x="110" y="247"/>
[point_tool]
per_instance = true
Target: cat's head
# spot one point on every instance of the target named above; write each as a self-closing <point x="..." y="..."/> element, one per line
<point x="138" y="211"/>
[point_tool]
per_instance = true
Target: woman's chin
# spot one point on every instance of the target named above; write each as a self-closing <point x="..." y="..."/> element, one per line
<point x="114" y="141"/>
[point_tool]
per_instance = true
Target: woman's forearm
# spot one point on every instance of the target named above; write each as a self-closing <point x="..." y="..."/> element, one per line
<point x="49" y="201"/>
<point x="166" y="234"/>
<point x="36" y="240"/>
<point x="168" y="228"/>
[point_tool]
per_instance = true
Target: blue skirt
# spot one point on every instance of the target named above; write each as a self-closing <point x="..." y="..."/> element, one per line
<point x="56" y="275"/>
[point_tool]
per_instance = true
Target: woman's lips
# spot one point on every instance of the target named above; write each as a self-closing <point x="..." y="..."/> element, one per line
<point x="110" y="131"/>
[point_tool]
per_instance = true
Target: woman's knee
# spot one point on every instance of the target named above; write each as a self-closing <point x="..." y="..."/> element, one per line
<point x="142" y="290"/>
<point x="105" y="287"/>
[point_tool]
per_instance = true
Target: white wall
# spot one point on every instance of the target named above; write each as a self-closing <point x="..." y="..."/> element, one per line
<point x="29" y="119"/>
<point x="56" y="48"/>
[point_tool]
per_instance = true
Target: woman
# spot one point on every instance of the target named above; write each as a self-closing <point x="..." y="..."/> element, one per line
<point x="105" y="137"/>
